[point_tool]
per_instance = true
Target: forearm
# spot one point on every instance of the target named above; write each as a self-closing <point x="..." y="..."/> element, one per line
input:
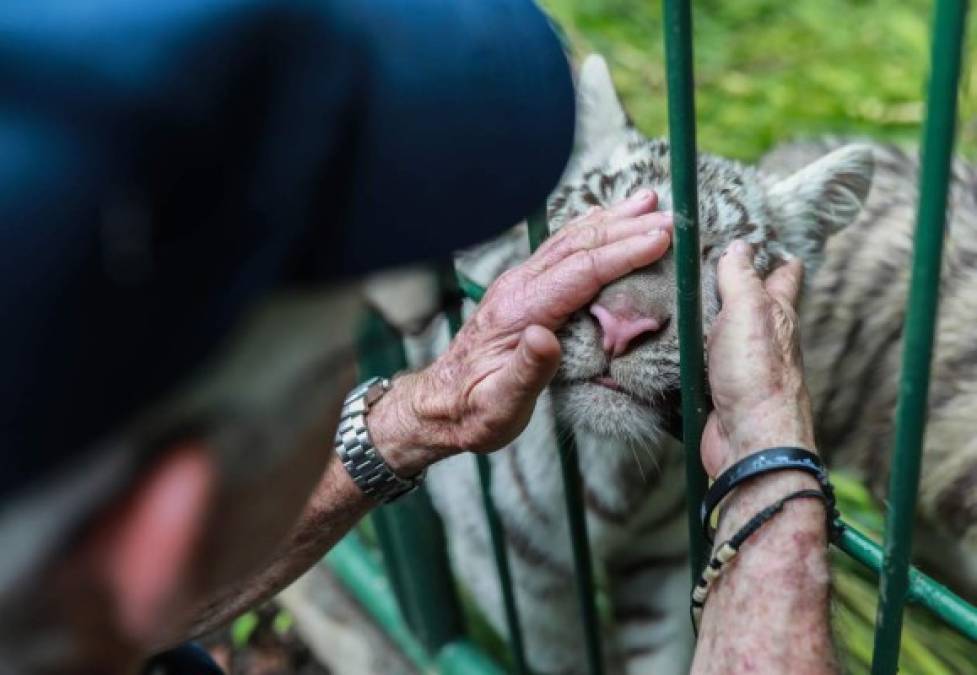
<point x="768" y="612"/>
<point x="334" y="507"/>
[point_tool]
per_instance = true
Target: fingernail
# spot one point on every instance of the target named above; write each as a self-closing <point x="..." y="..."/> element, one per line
<point x="658" y="232"/>
<point x="740" y="247"/>
<point x="641" y="195"/>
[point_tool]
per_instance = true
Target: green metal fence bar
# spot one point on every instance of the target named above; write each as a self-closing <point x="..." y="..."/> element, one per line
<point x="573" y="491"/>
<point x="923" y="590"/>
<point x="681" y="132"/>
<point x="496" y="530"/>
<point x="469" y="288"/>
<point x="919" y="328"/>
<point x="516" y="646"/>
<point x="385" y="525"/>
<point x="409" y="532"/>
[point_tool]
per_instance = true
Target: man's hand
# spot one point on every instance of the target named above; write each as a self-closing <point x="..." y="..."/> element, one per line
<point x="755" y="368"/>
<point x="768" y="612"/>
<point x="480" y="394"/>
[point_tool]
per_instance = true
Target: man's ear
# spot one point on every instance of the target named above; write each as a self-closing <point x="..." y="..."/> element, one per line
<point x="146" y="545"/>
<point x="820" y="199"/>
<point x="601" y="119"/>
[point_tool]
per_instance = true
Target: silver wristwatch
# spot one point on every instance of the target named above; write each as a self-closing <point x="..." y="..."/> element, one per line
<point x="356" y="451"/>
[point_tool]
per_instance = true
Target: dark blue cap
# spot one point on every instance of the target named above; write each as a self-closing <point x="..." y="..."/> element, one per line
<point x="164" y="163"/>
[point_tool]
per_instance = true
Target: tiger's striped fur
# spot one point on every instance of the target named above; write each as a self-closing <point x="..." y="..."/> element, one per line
<point x="633" y="474"/>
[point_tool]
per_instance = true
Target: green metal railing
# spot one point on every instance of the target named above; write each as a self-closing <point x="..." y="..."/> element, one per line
<point x="494" y="522"/>
<point x="685" y="206"/>
<point x="920" y="327"/>
<point x="573" y="494"/>
<point x="429" y="626"/>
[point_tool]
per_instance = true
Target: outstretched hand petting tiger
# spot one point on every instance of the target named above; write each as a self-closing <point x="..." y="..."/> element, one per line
<point x="480" y="393"/>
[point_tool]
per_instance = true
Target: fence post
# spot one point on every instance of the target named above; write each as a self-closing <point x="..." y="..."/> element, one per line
<point x="919" y="328"/>
<point x="538" y="230"/>
<point x="681" y="133"/>
<point x="449" y="283"/>
<point x="409" y="532"/>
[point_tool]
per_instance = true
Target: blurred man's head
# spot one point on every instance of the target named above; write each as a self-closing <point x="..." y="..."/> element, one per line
<point x="166" y="168"/>
<point x="109" y="556"/>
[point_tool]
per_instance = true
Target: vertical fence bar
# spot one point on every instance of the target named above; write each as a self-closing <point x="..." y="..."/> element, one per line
<point x="919" y="328"/>
<point x="409" y="532"/>
<point x="681" y="132"/>
<point x="573" y="491"/>
<point x="496" y="530"/>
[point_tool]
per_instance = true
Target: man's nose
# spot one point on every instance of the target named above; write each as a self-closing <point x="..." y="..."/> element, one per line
<point x="621" y="322"/>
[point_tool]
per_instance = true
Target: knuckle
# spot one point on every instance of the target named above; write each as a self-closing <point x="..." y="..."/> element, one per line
<point x="505" y="278"/>
<point x="511" y="278"/>
<point x="593" y="213"/>
<point x="586" y="236"/>
<point x="591" y="260"/>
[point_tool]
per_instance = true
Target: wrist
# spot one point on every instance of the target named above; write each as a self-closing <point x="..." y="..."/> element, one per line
<point x="747" y="499"/>
<point x="408" y="442"/>
<point x="781" y="573"/>
<point x="784" y="421"/>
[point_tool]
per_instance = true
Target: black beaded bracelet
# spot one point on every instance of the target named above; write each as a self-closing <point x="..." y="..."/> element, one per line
<point x="761" y="463"/>
<point x="726" y="551"/>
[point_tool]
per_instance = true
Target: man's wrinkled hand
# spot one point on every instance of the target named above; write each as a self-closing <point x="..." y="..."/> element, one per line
<point x="480" y="394"/>
<point x="755" y="368"/>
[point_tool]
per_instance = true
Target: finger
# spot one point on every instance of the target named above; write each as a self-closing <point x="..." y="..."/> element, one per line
<point x="784" y="283"/>
<point x="641" y="202"/>
<point x="573" y="282"/>
<point x="534" y="363"/>
<point x="592" y="236"/>
<point x="735" y="275"/>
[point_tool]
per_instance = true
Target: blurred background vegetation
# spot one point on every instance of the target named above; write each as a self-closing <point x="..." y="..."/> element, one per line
<point x="770" y="70"/>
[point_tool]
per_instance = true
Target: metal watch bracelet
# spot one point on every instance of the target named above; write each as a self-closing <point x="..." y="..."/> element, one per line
<point x="362" y="460"/>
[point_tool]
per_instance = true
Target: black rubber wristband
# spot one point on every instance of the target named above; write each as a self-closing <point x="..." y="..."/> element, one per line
<point x="761" y="463"/>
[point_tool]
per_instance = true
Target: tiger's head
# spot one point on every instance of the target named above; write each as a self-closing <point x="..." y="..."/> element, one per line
<point x="620" y="371"/>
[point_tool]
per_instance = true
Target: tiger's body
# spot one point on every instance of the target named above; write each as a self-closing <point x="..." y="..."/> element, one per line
<point x="633" y="472"/>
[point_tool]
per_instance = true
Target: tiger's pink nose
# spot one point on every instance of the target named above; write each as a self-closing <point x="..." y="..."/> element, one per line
<point x="622" y="324"/>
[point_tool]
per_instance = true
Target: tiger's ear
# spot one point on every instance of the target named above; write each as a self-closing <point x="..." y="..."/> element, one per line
<point x="600" y="118"/>
<point x="820" y="199"/>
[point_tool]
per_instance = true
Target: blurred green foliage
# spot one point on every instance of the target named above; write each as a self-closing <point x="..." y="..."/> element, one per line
<point x="770" y="70"/>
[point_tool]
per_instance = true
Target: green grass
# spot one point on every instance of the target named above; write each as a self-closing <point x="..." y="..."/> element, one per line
<point x="769" y="70"/>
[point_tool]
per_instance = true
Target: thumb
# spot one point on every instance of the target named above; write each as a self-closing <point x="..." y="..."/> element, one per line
<point x="735" y="275"/>
<point x="784" y="283"/>
<point x="535" y="361"/>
